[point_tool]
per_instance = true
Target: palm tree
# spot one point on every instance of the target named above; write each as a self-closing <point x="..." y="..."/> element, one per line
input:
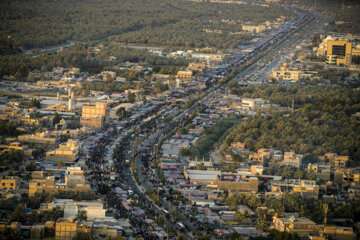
<point x="241" y="217"/>
<point x="59" y="164"/>
<point x="260" y="224"/>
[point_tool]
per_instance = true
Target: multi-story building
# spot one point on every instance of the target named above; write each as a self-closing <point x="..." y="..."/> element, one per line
<point x="38" y="185"/>
<point x="252" y="104"/>
<point x="96" y="110"/>
<point x="71" y="208"/>
<point x="75" y="179"/>
<point x="322" y="172"/>
<point x="292" y="159"/>
<point x="350" y="176"/>
<point x="306" y="188"/>
<point x="237" y="183"/>
<point x="254" y="28"/>
<point x="194" y="66"/>
<point x="238" y="144"/>
<point x="108" y="75"/>
<point x="339" y="52"/>
<point x="66" y="152"/>
<point x="39" y="138"/>
<point x="286" y="73"/>
<point x="65" y="229"/>
<point x="261" y="156"/>
<point x="184" y="74"/>
<point x="336" y="160"/>
<point x="293" y="224"/>
<point x="8" y="183"/>
<point x="93" y="115"/>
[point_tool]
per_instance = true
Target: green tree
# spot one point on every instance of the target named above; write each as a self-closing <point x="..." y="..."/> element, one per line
<point x="131" y="97"/>
<point x="121" y="113"/>
<point x="7" y="233"/>
<point x="19" y="213"/>
<point x="81" y="216"/>
<point x="185" y="152"/>
<point x="30" y="166"/>
<point x="57" y="118"/>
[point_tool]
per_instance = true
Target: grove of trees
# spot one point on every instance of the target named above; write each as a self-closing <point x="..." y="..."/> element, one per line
<point x="322" y="122"/>
<point x="35" y="24"/>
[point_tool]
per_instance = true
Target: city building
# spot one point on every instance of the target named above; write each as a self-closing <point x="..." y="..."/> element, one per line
<point x="306" y="188"/>
<point x="238" y="144"/>
<point x="292" y="159"/>
<point x="322" y="172"/>
<point x="108" y="75"/>
<point x="65" y="228"/>
<point x="261" y="156"/>
<point x="254" y="28"/>
<point x="336" y="160"/>
<point x="39" y="138"/>
<point x="96" y="110"/>
<point x="293" y="224"/>
<point x="339" y="52"/>
<point x="71" y="208"/>
<point x="8" y="183"/>
<point x="197" y="66"/>
<point x="38" y="185"/>
<point x="236" y="183"/>
<point x="285" y="73"/>
<point x="93" y="115"/>
<point x="252" y="104"/>
<point x="184" y="74"/>
<point x="67" y="152"/>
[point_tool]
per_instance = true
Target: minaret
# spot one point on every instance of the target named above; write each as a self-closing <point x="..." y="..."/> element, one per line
<point x="71" y="106"/>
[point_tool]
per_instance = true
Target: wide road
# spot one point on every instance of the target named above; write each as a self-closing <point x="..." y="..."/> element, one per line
<point x="163" y="129"/>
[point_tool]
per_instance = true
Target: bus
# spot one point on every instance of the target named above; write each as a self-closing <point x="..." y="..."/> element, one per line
<point x="165" y="212"/>
<point x="180" y="226"/>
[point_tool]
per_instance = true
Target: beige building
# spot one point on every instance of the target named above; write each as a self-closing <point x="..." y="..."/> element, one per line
<point x="95" y="122"/>
<point x="238" y="144"/>
<point x="261" y="156"/>
<point x="65" y="229"/>
<point x="38" y="185"/>
<point x="306" y="188"/>
<point x="184" y="74"/>
<point x="39" y="138"/>
<point x="254" y="28"/>
<point x="108" y="75"/>
<point x="91" y="111"/>
<point x="292" y="159"/>
<point x="336" y="160"/>
<point x="286" y="73"/>
<point x="93" y="115"/>
<point x="194" y="66"/>
<point x="322" y="172"/>
<point x="339" y="52"/>
<point x="66" y="152"/>
<point x="237" y="183"/>
<point x="8" y="183"/>
<point x="293" y="224"/>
